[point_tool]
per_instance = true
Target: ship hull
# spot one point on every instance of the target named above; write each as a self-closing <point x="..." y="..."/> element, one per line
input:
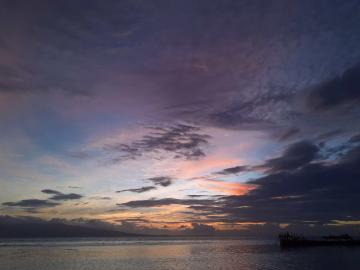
<point x="300" y="243"/>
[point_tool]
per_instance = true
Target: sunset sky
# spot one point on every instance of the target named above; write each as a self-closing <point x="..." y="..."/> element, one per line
<point x="177" y="116"/>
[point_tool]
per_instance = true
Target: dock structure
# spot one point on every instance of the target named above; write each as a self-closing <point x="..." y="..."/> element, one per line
<point x="295" y="240"/>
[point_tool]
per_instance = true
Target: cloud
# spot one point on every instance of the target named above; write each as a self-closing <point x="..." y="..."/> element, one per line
<point x="355" y="139"/>
<point x="319" y="192"/>
<point x="65" y="197"/>
<point x="313" y="193"/>
<point x="233" y="170"/>
<point x="32" y="203"/>
<point x="330" y="134"/>
<point x="260" y="111"/>
<point x="200" y="229"/>
<point x="59" y="196"/>
<point x="163" y="202"/>
<point x="55" y="32"/>
<point x="295" y="155"/>
<point x="161" y="180"/>
<point x="342" y="90"/>
<point x="290" y="133"/>
<point x="233" y="77"/>
<point x="51" y="191"/>
<point x="181" y="141"/>
<point x="137" y="190"/>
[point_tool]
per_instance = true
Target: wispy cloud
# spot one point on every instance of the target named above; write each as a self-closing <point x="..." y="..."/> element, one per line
<point x="161" y="180"/>
<point x="290" y="133"/>
<point x="180" y="141"/>
<point x="51" y="191"/>
<point x="233" y="170"/>
<point x="137" y="190"/>
<point x="65" y="197"/>
<point x="165" y="201"/>
<point x="32" y="203"/>
<point x="59" y="196"/>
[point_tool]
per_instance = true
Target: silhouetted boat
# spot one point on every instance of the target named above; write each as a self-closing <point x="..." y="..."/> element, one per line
<point x="293" y="240"/>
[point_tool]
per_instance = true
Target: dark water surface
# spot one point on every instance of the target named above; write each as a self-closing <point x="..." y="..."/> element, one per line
<point x="170" y="253"/>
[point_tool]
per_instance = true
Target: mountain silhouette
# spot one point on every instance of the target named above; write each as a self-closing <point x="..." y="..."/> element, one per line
<point x="44" y="230"/>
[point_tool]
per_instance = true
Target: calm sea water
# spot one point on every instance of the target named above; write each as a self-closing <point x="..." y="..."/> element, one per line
<point x="166" y="253"/>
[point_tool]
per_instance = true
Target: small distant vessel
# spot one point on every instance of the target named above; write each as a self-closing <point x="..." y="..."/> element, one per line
<point x="294" y="240"/>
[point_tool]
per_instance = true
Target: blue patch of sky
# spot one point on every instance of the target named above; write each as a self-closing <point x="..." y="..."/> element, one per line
<point x="50" y="132"/>
<point x="242" y="177"/>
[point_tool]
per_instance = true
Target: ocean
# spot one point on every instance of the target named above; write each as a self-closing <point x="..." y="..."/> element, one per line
<point x="169" y="253"/>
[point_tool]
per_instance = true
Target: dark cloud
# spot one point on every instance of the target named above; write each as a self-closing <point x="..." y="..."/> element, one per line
<point x="51" y="191"/>
<point x="182" y="141"/>
<point x="355" y="139"/>
<point x="161" y="180"/>
<point x="255" y="113"/>
<point x="74" y="48"/>
<point x="81" y="203"/>
<point x="65" y="197"/>
<point x="340" y="91"/>
<point x="165" y="201"/>
<point x="200" y="229"/>
<point x="295" y="155"/>
<point x="233" y="170"/>
<point x="330" y="134"/>
<point x="58" y="29"/>
<point x="59" y="196"/>
<point x="142" y="220"/>
<point x="137" y="190"/>
<point x="313" y="194"/>
<point x="290" y="133"/>
<point x="204" y="195"/>
<point x="32" y="203"/>
<point x="320" y="192"/>
<point x="100" y="198"/>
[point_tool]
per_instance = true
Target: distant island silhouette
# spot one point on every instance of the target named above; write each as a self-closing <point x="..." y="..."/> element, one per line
<point x="47" y="230"/>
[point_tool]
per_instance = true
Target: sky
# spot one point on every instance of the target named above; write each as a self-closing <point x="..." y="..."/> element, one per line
<point x="181" y="116"/>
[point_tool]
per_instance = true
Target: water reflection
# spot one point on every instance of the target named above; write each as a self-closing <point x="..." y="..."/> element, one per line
<point x="171" y="254"/>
